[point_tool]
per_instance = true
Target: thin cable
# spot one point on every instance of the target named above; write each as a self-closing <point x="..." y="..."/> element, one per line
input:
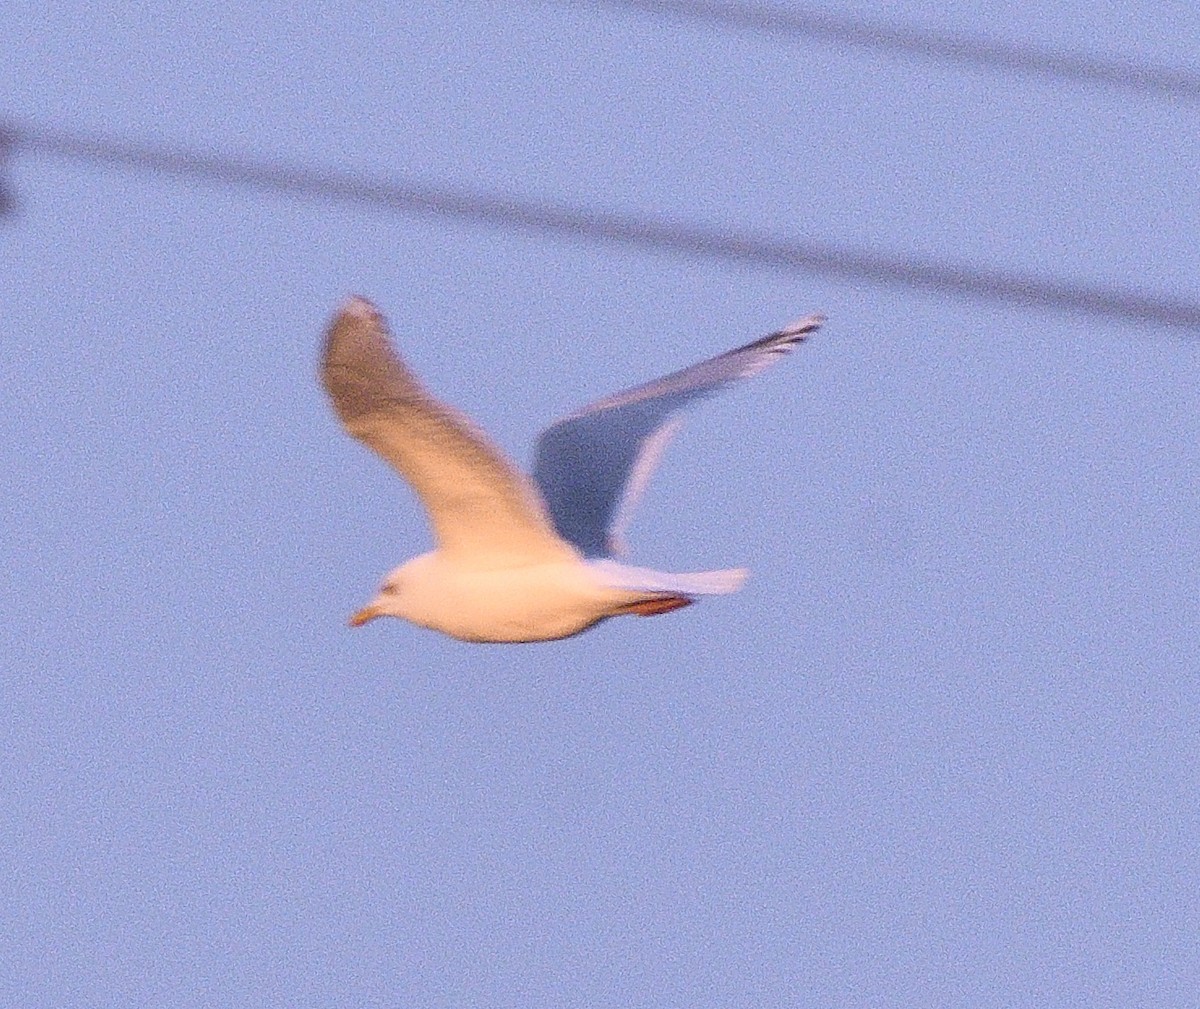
<point x="655" y="233"/>
<point x="8" y="202"/>
<point x="987" y="53"/>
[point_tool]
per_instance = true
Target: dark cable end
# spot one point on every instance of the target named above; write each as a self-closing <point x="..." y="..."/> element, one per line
<point x="8" y="144"/>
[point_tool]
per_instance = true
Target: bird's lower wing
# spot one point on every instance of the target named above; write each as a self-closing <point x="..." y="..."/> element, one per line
<point x="592" y="466"/>
<point x="477" y="501"/>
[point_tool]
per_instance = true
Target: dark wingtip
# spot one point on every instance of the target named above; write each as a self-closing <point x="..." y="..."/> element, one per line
<point x="353" y="313"/>
<point x="802" y="327"/>
<point x="785" y="338"/>
<point x="354" y="317"/>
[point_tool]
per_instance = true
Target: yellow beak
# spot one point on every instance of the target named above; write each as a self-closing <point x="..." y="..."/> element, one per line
<point x="365" y="614"/>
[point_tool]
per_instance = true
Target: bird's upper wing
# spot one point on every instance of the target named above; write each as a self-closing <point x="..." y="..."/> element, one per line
<point x="478" y="502"/>
<point x="592" y="466"/>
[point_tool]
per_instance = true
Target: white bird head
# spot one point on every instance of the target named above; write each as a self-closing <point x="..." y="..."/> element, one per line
<point x="390" y="601"/>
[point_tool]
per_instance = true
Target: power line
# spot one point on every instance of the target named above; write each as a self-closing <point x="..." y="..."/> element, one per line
<point x="637" y="231"/>
<point x="986" y="53"/>
<point x="8" y="201"/>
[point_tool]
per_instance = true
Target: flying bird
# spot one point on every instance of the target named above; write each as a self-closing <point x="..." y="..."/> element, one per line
<point x="520" y="559"/>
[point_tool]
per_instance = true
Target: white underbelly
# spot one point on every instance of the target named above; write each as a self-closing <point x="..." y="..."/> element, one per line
<point x="537" y="603"/>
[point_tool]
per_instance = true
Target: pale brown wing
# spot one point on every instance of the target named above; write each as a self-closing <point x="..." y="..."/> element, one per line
<point x="478" y="502"/>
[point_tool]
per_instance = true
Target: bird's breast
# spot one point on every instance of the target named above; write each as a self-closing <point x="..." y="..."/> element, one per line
<point x="534" y="603"/>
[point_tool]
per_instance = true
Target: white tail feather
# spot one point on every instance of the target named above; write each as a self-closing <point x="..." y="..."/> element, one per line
<point x="693" y="583"/>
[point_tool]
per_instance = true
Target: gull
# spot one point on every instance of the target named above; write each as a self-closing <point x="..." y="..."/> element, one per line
<point x="520" y="559"/>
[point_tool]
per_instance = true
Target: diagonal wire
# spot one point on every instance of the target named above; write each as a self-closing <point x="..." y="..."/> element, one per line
<point x="8" y="202"/>
<point x="656" y="233"/>
<point x="845" y="29"/>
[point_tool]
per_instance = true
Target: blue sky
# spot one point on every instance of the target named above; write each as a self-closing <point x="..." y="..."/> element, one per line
<point x="943" y="750"/>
